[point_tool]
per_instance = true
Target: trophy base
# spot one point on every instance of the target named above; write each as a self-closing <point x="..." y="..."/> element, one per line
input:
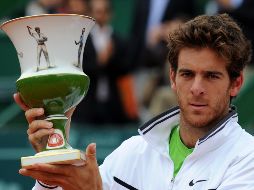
<point x="66" y="156"/>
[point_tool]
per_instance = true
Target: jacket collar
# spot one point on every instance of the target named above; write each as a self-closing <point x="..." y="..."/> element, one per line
<point x="157" y="131"/>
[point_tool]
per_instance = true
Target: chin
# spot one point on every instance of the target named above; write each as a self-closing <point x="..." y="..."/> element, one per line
<point x="199" y="124"/>
<point x="199" y="120"/>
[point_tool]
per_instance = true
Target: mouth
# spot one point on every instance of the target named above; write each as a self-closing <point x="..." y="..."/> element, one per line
<point x="198" y="106"/>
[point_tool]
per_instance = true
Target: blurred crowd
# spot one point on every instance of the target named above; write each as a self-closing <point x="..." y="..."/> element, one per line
<point x="129" y="75"/>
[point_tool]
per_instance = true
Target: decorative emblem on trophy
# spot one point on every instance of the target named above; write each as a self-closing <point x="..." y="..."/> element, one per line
<point x="59" y="88"/>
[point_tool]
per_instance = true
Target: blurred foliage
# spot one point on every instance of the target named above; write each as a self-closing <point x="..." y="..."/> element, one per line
<point x="123" y="12"/>
<point x="12" y="9"/>
<point x="245" y="103"/>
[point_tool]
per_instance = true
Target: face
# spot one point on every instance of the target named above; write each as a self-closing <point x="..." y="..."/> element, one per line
<point x="37" y="30"/>
<point x="77" y="7"/>
<point x="100" y="12"/>
<point x="202" y="86"/>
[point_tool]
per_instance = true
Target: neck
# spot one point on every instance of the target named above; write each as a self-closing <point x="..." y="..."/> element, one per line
<point x="191" y="134"/>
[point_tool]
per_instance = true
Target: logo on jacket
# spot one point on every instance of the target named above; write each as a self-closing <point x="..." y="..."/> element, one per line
<point x="192" y="182"/>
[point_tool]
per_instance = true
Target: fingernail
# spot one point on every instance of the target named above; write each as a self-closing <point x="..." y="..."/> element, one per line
<point x="94" y="145"/>
<point x="51" y="130"/>
<point x="49" y="125"/>
<point x="22" y="171"/>
<point x="41" y="110"/>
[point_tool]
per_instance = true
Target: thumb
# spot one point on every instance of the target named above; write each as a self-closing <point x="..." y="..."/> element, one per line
<point x="91" y="153"/>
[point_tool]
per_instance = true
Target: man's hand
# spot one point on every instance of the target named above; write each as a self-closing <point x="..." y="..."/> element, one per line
<point x="39" y="129"/>
<point x="85" y="177"/>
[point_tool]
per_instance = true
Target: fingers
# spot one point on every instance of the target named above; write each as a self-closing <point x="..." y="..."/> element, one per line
<point x="38" y="130"/>
<point x="38" y="124"/>
<point x="48" y="168"/>
<point x="38" y="133"/>
<point x="48" y="178"/>
<point x="33" y="114"/>
<point x="20" y="102"/>
<point x="38" y="140"/>
<point x="92" y="161"/>
<point x="91" y="153"/>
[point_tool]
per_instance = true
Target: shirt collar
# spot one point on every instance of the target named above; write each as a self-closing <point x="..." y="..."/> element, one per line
<point x="157" y="131"/>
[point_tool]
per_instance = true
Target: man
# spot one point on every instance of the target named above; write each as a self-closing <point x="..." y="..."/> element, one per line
<point x="104" y="64"/>
<point x="41" y="47"/>
<point x="198" y="145"/>
<point x="80" y="43"/>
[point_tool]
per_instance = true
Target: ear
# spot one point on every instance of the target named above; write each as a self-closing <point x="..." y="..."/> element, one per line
<point x="236" y="85"/>
<point x="172" y="76"/>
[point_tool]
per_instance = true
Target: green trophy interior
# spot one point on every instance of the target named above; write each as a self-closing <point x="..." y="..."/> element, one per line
<point x="56" y="93"/>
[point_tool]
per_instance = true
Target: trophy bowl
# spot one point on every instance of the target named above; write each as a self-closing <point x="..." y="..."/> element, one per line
<point x="50" y="52"/>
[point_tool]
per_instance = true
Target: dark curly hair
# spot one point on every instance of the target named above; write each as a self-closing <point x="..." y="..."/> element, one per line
<point x="220" y="33"/>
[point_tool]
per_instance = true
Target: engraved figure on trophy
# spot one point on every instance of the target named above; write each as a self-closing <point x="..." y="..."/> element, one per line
<point x="80" y="43"/>
<point x="41" y="47"/>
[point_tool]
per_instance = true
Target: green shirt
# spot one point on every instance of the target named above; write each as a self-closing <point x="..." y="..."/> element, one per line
<point x="177" y="150"/>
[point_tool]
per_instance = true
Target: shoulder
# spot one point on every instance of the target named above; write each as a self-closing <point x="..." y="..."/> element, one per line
<point x="128" y="151"/>
<point x="246" y="141"/>
<point x="241" y="170"/>
<point x="131" y="146"/>
<point x="243" y="148"/>
<point x="123" y="160"/>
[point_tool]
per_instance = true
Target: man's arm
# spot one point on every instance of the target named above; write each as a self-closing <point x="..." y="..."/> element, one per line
<point x="29" y="30"/>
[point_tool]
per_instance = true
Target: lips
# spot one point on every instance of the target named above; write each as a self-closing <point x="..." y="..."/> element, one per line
<point x="198" y="106"/>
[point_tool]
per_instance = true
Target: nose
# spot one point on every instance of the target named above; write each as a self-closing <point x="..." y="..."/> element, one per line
<point x="197" y="87"/>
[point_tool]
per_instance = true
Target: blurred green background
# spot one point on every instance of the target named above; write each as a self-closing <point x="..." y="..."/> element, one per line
<point x="13" y="138"/>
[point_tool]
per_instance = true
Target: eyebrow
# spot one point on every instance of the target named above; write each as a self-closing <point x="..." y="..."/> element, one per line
<point x="205" y="72"/>
<point x="184" y="70"/>
<point x="214" y="73"/>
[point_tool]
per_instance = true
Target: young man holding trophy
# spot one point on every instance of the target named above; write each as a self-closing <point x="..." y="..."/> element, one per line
<point x="198" y="145"/>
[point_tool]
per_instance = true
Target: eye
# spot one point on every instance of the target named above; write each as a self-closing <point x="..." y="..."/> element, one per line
<point x="186" y="74"/>
<point x="212" y="76"/>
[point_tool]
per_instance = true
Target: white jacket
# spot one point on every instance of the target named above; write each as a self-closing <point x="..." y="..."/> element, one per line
<point x="222" y="160"/>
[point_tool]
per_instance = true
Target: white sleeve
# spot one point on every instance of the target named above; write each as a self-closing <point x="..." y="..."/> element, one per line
<point x="240" y="176"/>
<point x="42" y="186"/>
<point x="117" y="160"/>
<point x="105" y="170"/>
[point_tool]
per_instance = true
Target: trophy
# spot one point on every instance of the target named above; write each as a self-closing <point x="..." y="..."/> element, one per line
<point x="50" y="49"/>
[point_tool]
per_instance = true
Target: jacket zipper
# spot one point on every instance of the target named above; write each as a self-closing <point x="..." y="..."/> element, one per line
<point x="172" y="183"/>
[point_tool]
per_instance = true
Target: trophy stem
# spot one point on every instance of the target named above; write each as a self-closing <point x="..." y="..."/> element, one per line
<point x="58" y="139"/>
<point x="57" y="151"/>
